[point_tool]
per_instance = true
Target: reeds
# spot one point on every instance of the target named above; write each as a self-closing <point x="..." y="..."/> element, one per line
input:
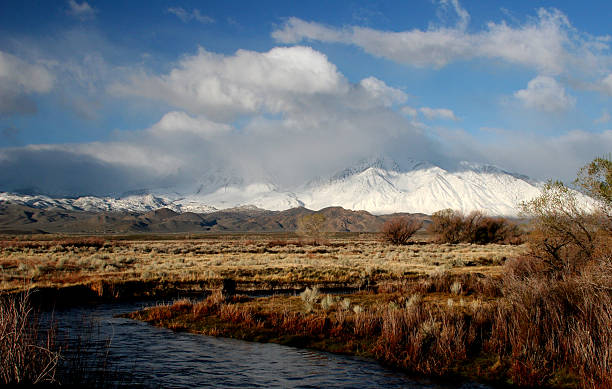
<point x="528" y="328"/>
<point x="25" y="357"/>
<point x="544" y="322"/>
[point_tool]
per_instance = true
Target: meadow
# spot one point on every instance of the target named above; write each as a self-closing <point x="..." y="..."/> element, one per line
<point x="528" y="314"/>
<point x="254" y="262"/>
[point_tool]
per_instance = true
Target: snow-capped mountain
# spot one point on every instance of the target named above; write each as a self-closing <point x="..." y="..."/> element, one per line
<point x="131" y="203"/>
<point x="385" y="187"/>
<point x="379" y="185"/>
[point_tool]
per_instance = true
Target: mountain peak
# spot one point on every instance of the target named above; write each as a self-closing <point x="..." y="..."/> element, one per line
<point x="379" y="185"/>
<point x="491" y="169"/>
<point x="381" y="163"/>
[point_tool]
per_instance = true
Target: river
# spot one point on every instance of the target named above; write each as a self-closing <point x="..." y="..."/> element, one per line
<point x="158" y="357"/>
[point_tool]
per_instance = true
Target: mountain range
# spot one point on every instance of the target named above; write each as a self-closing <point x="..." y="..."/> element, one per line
<point x="22" y="219"/>
<point x="378" y="186"/>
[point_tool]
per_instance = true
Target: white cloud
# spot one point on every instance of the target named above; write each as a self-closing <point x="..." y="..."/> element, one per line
<point x="430" y="113"/>
<point x="31" y="78"/>
<point x="410" y="111"/>
<point x="18" y="80"/>
<point x="81" y="11"/>
<point x="438" y="113"/>
<point x="295" y="30"/>
<point x="547" y="43"/>
<point x="540" y="156"/>
<point x="177" y="122"/>
<point x="545" y="94"/>
<point x="286" y="113"/>
<point x="462" y="14"/>
<point x="187" y="16"/>
<point x="379" y="90"/>
<point x="247" y="82"/>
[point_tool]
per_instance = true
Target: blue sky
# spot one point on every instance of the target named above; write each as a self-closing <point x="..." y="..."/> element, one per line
<point x="160" y="93"/>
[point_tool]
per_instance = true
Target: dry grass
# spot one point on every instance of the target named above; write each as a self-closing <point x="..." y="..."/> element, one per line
<point x="416" y="334"/>
<point x="254" y="262"/>
<point x="520" y="328"/>
<point x="24" y="357"/>
<point x="545" y="322"/>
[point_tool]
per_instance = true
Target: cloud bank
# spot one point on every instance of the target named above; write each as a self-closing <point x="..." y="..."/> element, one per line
<point x="19" y="80"/>
<point x="288" y="114"/>
<point x="547" y="43"/>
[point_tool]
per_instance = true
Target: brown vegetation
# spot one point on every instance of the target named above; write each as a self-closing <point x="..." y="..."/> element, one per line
<point x="399" y="230"/>
<point x="110" y="266"/>
<point x="558" y="299"/>
<point x="311" y="226"/>
<point x="25" y="358"/>
<point x="450" y="226"/>
<point x="544" y="323"/>
<point x="545" y="319"/>
<point x="515" y="328"/>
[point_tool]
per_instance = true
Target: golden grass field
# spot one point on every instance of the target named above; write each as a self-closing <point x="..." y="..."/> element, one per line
<point x="253" y="261"/>
<point x="483" y="312"/>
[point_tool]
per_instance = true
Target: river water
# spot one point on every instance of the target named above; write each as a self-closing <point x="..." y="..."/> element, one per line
<point x="158" y="357"/>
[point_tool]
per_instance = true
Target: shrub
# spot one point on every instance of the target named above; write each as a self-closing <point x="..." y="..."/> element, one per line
<point x="557" y="307"/>
<point x="595" y="179"/>
<point x="453" y="227"/>
<point x="483" y="230"/>
<point x="447" y="226"/>
<point x="563" y="232"/>
<point x="565" y="235"/>
<point x="328" y="302"/>
<point x="544" y="322"/>
<point x="456" y="288"/>
<point x="399" y="230"/>
<point x="94" y="242"/>
<point x="310" y="298"/>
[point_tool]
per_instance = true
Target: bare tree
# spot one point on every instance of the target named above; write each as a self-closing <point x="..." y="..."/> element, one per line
<point x="400" y="229"/>
<point x="565" y="235"/>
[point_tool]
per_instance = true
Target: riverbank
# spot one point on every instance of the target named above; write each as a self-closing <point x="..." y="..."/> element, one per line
<point x="469" y="327"/>
<point x="430" y="335"/>
<point x="484" y="312"/>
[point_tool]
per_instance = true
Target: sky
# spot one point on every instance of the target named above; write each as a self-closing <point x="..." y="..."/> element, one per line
<point x="106" y="97"/>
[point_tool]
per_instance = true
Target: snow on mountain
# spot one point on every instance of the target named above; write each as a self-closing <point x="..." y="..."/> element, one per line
<point x="381" y="187"/>
<point x="133" y="203"/>
<point x="377" y="185"/>
<point x="261" y="195"/>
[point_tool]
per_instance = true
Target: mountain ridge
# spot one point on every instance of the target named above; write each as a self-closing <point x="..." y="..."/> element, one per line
<point x="22" y="219"/>
<point x="378" y="185"/>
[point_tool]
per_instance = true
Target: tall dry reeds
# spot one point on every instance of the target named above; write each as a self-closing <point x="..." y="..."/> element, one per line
<point x="31" y="353"/>
<point x="25" y="356"/>
<point x="545" y="322"/>
<point x="556" y="310"/>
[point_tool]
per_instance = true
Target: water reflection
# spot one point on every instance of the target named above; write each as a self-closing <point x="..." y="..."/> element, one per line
<point x="157" y="357"/>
